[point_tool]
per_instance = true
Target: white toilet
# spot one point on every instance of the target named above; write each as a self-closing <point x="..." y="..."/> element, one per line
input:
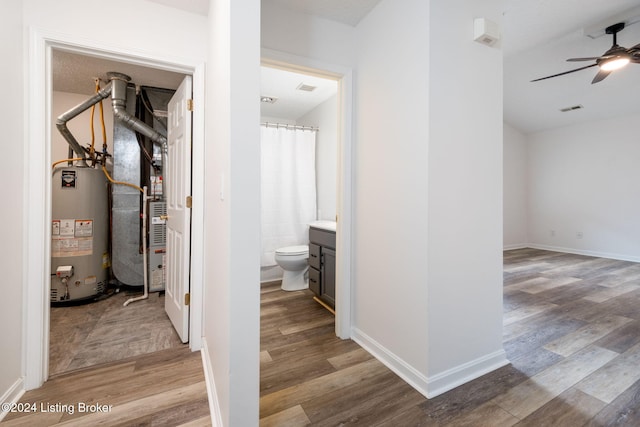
<point x="293" y="260"/>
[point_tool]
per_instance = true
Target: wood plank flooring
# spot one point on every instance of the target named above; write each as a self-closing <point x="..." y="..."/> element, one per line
<point x="105" y="331"/>
<point x="165" y="388"/>
<point x="571" y="332"/>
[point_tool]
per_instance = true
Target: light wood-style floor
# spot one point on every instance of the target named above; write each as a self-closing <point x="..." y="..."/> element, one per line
<point x="571" y="331"/>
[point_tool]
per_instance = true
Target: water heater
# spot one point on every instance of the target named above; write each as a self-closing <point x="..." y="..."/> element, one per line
<point x="79" y="234"/>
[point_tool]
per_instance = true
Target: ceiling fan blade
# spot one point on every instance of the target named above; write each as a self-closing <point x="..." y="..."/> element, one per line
<point x="566" y="72"/>
<point x="600" y="76"/>
<point x="590" y="58"/>
<point x="635" y="53"/>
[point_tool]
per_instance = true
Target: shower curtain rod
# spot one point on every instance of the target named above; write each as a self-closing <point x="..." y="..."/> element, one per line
<point x="286" y="126"/>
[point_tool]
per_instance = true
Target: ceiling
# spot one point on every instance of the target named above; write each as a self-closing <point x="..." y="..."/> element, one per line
<point x="348" y="12"/>
<point x="292" y="103"/>
<point x="76" y="73"/>
<point x="537" y="38"/>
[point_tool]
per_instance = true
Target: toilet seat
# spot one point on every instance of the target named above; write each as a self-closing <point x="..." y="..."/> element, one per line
<point x="293" y="250"/>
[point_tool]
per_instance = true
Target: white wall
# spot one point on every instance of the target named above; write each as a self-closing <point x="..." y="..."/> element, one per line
<point x="465" y="196"/>
<point x="391" y="239"/>
<point x="325" y="117"/>
<point x="136" y="19"/>
<point x="306" y="35"/>
<point x="12" y="149"/>
<point x="232" y="206"/>
<point x="585" y="178"/>
<point x="515" y="188"/>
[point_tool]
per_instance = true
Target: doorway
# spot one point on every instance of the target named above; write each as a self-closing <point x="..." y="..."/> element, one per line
<point x="99" y="268"/>
<point x="113" y="256"/>
<point x="37" y="316"/>
<point x="343" y="77"/>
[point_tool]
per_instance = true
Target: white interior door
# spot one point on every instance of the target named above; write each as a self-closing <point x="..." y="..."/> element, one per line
<point x="178" y="188"/>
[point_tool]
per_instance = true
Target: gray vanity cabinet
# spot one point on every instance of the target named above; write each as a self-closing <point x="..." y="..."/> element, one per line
<point x="322" y="264"/>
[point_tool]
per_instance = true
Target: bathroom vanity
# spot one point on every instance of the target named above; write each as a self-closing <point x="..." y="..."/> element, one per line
<point x="322" y="261"/>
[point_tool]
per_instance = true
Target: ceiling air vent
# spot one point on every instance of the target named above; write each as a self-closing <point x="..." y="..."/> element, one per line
<point x="306" y="87"/>
<point x="268" y="99"/>
<point x="575" y="107"/>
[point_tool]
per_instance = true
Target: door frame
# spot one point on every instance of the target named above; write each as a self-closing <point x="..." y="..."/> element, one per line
<point x="37" y="185"/>
<point x="344" y="208"/>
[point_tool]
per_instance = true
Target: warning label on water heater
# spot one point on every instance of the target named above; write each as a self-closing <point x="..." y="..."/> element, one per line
<point x="71" y="237"/>
<point x="84" y="228"/>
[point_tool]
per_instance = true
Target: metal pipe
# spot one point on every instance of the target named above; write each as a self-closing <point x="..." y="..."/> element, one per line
<point x="145" y="252"/>
<point x="119" y="102"/>
<point x="61" y="123"/>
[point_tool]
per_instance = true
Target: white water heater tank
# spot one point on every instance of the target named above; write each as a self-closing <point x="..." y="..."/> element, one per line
<point x="79" y="233"/>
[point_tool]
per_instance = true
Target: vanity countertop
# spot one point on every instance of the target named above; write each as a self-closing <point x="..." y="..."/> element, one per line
<point x="324" y="225"/>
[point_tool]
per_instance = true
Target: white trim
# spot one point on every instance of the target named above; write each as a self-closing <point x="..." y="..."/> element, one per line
<point x="37" y="161"/>
<point x="462" y="374"/>
<point x="620" y="257"/>
<point x="344" y="247"/>
<point x="12" y="395"/>
<point x="514" y="246"/>
<point x="433" y="386"/>
<point x="37" y="201"/>
<point x="214" y="403"/>
<point x="196" y="311"/>
<point x="405" y="371"/>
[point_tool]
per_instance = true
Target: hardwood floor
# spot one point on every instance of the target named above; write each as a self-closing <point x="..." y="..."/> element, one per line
<point x="105" y="331"/>
<point x="165" y="388"/>
<point x="129" y="358"/>
<point x="571" y="332"/>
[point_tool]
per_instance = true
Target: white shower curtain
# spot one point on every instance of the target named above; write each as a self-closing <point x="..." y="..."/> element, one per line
<point x="288" y="202"/>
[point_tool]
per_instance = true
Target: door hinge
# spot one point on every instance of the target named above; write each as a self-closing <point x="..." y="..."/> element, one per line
<point x="190" y="104"/>
<point x="187" y="299"/>
<point x="188" y="202"/>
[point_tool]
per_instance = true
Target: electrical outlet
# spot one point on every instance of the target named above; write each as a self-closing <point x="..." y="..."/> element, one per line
<point x="579" y="235"/>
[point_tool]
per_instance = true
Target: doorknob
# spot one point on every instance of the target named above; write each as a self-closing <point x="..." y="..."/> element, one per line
<point x="164" y="217"/>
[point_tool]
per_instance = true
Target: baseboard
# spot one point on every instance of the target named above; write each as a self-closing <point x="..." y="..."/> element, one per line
<point x="405" y="371"/>
<point x="214" y="403"/>
<point x="514" y="246"/>
<point x="431" y="387"/>
<point x="456" y="376"/>
<point x="598" y="254"/>
<point x="12" y="395"/>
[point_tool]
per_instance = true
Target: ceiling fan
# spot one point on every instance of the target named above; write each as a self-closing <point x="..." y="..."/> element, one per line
<point x="613" y="59"/>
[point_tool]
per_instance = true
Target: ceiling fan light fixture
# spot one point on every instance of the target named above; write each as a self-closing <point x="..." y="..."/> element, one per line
<point x="614" y="63"/>
<point x="613" y="59"/>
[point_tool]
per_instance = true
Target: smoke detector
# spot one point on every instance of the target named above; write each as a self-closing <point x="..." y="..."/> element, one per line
<point x="306" y="87"/>
<point x="485" y="32"/>
<point x="268" y="99"/>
